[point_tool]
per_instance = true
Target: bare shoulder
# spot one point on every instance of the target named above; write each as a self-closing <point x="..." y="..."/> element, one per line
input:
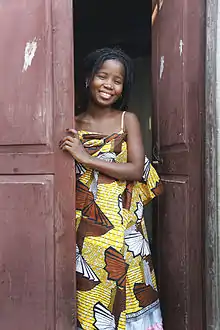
<point x="134" y="138"/>
<point x="79" y="117"/>
<point x="116" y="113"/>
<point x="131" y="116"/>
<point x="131" y="120"/>
<point x="79" y="120"/>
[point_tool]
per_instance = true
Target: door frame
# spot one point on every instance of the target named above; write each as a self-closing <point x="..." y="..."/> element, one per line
<point x="211" y="225"/>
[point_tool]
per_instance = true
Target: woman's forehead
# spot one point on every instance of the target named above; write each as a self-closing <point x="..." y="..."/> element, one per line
<point x="114" y="66"/>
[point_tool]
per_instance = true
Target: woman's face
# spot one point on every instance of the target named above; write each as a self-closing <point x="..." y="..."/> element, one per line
<point x="107" y="84"/>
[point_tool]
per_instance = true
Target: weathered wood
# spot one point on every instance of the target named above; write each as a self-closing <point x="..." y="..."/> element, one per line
<point x="37" y="261"/>
<point x="178" y="45"/>
<point x="63" y="99"/>
<point x="212" y="266"/>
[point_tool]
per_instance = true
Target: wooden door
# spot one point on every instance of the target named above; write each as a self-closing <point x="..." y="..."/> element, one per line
<point x="178" y="91"/>
<point x="36" y="178"/>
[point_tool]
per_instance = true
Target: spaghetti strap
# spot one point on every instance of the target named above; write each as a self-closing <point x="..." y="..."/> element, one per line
<point x="122" y="120"/>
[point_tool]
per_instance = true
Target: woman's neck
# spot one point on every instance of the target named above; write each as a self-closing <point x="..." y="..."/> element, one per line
<point x="97" y="112"/>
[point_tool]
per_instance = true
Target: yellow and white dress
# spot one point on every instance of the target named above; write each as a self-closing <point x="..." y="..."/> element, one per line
<point x="116" y="286"/>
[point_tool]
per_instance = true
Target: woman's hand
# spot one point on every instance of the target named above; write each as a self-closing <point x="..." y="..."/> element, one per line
<point x="73" y="145"/>
<point x="132" y="170"/>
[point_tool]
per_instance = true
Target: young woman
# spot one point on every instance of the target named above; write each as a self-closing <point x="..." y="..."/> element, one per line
<point x="116" y="286"/>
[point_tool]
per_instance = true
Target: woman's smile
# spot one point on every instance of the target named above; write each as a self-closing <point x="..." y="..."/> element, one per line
<point x="105" y="95"/>
<point x="107" y="85"/>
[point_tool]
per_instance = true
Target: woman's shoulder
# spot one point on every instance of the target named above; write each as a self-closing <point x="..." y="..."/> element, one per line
<point x="79" y="121"/>
<point x="79" y="117"/>
<point x="130" y="117"/>
<point x="128" y="114"/>
<point x="131" y="122"/>
<point x="127" y="118"/>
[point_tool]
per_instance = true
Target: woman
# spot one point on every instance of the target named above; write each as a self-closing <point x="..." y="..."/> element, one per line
<point x="116" y="287"/>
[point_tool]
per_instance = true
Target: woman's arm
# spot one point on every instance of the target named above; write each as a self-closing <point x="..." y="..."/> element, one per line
<point x="133" y="169"/>
<point x="130" y="171"/>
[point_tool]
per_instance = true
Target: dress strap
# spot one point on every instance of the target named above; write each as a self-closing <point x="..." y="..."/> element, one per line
<point x="122" y="120"/>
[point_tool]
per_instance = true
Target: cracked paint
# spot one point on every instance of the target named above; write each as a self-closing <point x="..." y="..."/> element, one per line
<point x="29" y="53"/>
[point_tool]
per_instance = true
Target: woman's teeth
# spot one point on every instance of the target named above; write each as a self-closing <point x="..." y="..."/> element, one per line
<point x="105" y="95"/>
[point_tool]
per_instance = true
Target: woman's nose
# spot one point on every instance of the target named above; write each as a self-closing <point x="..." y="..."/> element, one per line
<point x="108" y="85"/>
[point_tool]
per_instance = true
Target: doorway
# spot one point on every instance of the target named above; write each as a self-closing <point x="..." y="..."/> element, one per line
<point x="128" y="27"/>
<point x="37" y="242"/>
<point x="177" y="59"/>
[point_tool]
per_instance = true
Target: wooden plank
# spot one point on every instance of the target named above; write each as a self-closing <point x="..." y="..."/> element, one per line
<point x="211" y="232"/>
<point x="64" y="188"/>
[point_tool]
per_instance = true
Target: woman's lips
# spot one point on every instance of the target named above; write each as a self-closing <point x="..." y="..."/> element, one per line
<point x="105" y="95"/>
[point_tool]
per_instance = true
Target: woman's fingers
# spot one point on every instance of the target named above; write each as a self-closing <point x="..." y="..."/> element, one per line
<point x="69" y="138"/>
<point x="73" y="131"/>
<point x="66" y="148"/>
<point x="66" y="143"/>
<point x="71" y="142"/>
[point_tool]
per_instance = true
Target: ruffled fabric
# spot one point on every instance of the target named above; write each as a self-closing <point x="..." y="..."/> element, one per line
<point x="116" y="285"/>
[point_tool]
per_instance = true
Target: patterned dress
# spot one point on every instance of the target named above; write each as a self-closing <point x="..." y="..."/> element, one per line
<point x="116" y="286"/>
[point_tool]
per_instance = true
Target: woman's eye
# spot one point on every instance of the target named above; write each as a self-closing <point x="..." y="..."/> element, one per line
<point x="118" y="82"/>
<point x="101" y="77"/>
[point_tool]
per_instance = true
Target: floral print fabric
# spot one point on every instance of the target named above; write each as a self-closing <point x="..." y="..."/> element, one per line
<point x="116" y="286"/>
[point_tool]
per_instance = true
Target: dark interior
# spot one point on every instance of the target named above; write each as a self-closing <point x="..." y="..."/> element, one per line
<point x="115" y="23"/>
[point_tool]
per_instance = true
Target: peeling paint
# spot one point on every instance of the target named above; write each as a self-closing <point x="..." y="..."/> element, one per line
<point x="181" y="47"/>
<point x="161" y="66"/>
<point x="160" y="4"/>
<point x="29" y="53"/>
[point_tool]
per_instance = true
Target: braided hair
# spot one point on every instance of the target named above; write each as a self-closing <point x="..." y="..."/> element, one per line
<point x="94" y="61"/>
